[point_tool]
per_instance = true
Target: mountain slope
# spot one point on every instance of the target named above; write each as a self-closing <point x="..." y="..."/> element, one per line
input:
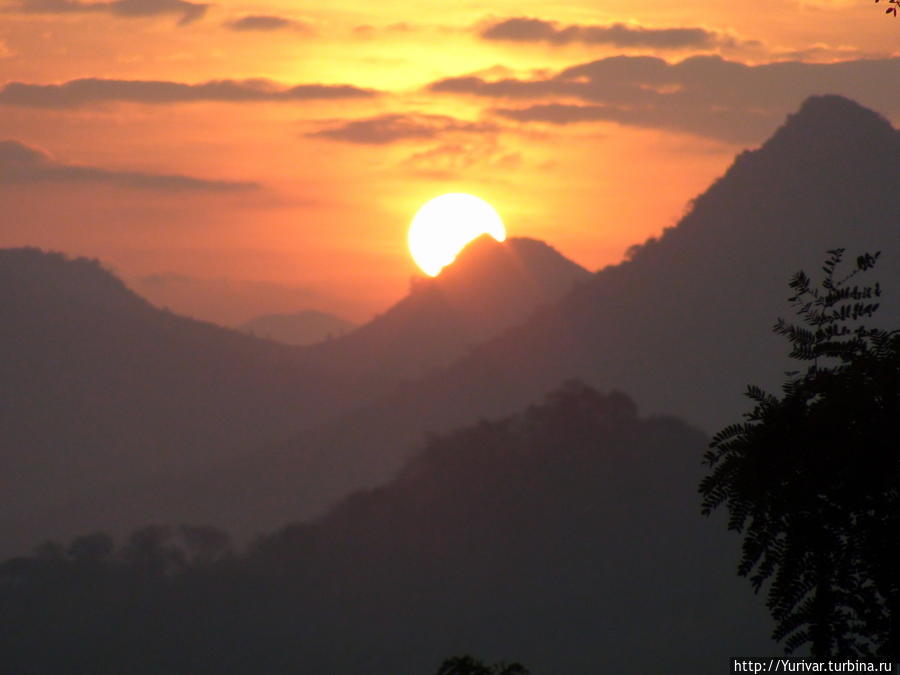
<point x="102" y="388"/>
<point x="490" y="287"/>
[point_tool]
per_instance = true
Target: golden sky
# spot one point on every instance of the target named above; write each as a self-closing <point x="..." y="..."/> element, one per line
<point x="235" y="158"/>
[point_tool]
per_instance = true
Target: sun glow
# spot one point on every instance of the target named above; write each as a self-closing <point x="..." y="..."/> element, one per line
<point x="444" y="225"/>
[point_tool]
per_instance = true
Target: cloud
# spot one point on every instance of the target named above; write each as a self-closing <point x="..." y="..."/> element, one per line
<point x="526" y="29"/>
<point x="187" y="11"/>
<point x="266" y="22"/>
<point x="705" y="95"/>
<point x="392" y="128"/>
<point x="449" y="160"/>
<point x="20" y="163"/>
<point x="727" y="125"/>
<point x="367" y="30"/>
<point x="93" y="90"/>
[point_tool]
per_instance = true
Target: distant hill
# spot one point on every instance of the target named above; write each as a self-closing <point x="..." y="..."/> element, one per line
<point x="684" y="324"/>
<point x="300" y="328"/>
<point x="115" y="400"/>
<point x="101" y="388"/>
<point x="490" y="287"/>
<point x="567" y="536"/>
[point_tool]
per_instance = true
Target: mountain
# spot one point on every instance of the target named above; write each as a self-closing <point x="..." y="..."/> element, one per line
<point x="684" y="324"/>
<point x="566" y="536"/>
<point x="300" y="328"/>
<point x="117" y="401"/>
<point x="102" y="388"/>
<point x="491" y="286"/>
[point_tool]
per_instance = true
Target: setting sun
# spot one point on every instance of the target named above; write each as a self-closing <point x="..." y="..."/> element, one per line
<point x="444" y="225"/>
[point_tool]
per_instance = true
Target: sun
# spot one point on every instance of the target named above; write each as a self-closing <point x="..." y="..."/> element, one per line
<point x="444" y="225"/>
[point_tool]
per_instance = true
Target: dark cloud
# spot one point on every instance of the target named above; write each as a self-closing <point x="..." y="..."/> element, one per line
<point x="92" y="90"/>
<point x="20" y="163"/>
<point x="265" y="22"/>
<point x="525" y="29"/>
<point x="187" y="11"/>
<point x="391" y="128"/>
<point x="705" y="95"/>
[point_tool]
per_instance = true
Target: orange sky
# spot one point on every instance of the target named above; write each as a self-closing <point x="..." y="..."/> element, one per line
<point x="185" y="159"/>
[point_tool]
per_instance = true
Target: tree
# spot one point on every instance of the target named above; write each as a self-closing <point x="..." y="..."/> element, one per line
<point x="92" y="548"/>
<point x="812" y="478"/>
<point x="151" y="552"/>
<point x="892" y="6"/>
<point x="466" y="665"/>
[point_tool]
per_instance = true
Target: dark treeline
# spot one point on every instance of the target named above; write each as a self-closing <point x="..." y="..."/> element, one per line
<point x="565" y="537"/>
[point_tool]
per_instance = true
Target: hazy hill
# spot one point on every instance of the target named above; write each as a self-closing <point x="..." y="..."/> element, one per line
<point x="101" y="388"/>
<point x="490" y="287"/>
<point x="566" y="536"/>
<point x="684" y="324"/>
<point x="300" y="328"/>
<point x="114" y="400"/>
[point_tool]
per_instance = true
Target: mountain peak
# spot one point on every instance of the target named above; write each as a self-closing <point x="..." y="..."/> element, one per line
<point x="487" y="256"/>
<point x="829" y="120"/>
<point x="510" y="277"/>
<point x="84" y="280"/>
<point x="489" y="287"/>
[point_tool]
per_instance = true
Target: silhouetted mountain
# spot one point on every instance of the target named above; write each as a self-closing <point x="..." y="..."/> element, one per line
<point x="300" y="328"/>
<point x="490" y="287"/>
<point x="101" y="388"/>
<point x="567" y="537"/>
<point x="684" y="323"/>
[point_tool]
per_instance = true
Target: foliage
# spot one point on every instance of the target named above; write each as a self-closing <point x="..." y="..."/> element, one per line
<point x="892" y="6"/>
<point x="811" y="478"/>
<point x="466" y="665"/>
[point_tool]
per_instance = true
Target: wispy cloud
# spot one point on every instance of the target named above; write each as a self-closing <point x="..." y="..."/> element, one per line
<point x="527" y="29"/>
<point x="92" y="90"/>
<point x="20" y="163"/>
<point x="391" y="128"/>
<point x="451" y="159"/>
<point x="187" y="11"/>
<point x="267" y="23"/>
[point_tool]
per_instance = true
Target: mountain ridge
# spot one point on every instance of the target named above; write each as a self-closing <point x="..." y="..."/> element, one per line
<point x="489" y="287"/>
<point x="683" y="325"/>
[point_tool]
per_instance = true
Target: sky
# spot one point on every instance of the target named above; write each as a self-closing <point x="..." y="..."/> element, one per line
<point x="237" y="158"/>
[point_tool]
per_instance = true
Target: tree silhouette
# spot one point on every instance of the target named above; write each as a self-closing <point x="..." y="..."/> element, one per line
<point x="892" y="6"/>
<point x="467" y="665"/>
<point x="94" y="548"/>
<point x="811" y="478"/>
